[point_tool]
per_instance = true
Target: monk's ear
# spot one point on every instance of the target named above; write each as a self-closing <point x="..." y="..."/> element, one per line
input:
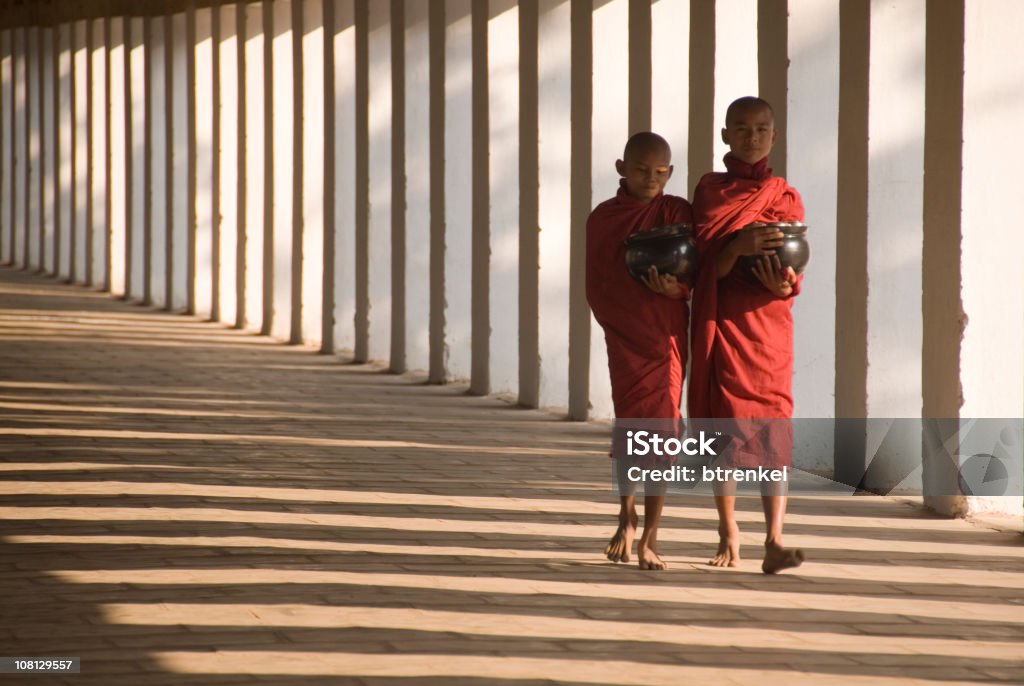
<point x="671" y="168"/>
<point x="725" y="136"/>
<point x="620" y="167"/>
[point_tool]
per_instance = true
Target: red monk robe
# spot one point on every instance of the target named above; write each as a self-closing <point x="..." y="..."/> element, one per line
<point x="645" y="332"/>
<point x="742" y="337"/>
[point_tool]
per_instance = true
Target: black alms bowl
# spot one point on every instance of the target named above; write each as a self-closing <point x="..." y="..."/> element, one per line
<point x="794" y="252"/>
<point x="669" y="249"/>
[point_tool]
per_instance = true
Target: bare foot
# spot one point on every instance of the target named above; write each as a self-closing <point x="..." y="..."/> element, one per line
<point x="621" y="544"/>
<point x="648" y="557"/>
<point x="777" y="558"/>
<point x="728" y="547"/>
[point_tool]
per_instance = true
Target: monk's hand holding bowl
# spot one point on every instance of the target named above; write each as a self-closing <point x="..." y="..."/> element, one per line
<point x="758" y="239"/>
<point x="770" y="272"/>
<point x="750" y="242"/>
<point x="664" y="284"/>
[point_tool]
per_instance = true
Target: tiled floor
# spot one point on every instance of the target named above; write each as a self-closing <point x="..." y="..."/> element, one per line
<point x="181" y="503"/>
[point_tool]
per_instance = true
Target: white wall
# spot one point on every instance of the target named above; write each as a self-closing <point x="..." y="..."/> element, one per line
<point x="379" y="239"/>
<point x="49" y="142"/>
<point x="181" y="206"/>
<point x="31" y="254"/>
<point x="159" y="145"/>
<point x="118" y="158"/>
<point x="6" y="142"/>
<point x="254" y="163"/>
<point x="137" y="122"/>
<point x="554" y="127"/>
<point x="418" y="182"/>
<point x="66" y="150"/>
<point x="503" y="81"/>
<point x="735" y="61"/>
<point x="813" y="111"/>
<point x="20" y="102"/>
<point x="895" y="193"/>
<point x="609" y="135"/>
<point x="228" y="161"/>
<point x="992" y="361"/>
<point x="203" y="174"/>
<point x="284" y="160"/>
<point x="344" y="174"/>
<point x="458" y="179"/>
<point x="312" y="36"/>
<point x="98" y="156"/>
<point x="80" y="71"/>
<point x="670" y="98"/>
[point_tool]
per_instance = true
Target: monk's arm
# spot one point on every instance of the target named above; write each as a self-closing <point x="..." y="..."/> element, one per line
<point x="726" y="259"/>
<point x="754" y="239"/>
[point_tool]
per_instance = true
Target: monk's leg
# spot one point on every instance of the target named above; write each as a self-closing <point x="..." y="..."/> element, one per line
<point x="620" y="546"/>
<point x="647" y="548"/>
<point x="776" y="556"/>
<point x="621" y="543"/>
<point x="728" y="554"/>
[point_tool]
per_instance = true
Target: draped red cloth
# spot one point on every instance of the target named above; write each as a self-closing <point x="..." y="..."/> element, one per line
<point x="645" y="332"/>
<point x="742" y="335"/>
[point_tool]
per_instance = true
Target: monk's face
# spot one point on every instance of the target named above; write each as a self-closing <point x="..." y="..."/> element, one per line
<point x="646" y="171"/>
<point x="750" y="133"/>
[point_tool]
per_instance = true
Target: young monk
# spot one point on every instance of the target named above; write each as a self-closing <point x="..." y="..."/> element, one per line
<point x="645" y="325"/>
<point x="742" y="336"/>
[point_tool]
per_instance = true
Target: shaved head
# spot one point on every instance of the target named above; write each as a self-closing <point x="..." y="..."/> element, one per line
<point x="747" y="104"/>
<point x="644" y="143"/>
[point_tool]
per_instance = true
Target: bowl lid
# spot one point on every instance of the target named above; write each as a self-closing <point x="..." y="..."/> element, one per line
<point x="681" y="229"/>
<point x="788" y="227"/>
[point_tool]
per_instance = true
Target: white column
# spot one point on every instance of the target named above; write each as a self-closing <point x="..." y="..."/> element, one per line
<point x="554" y="175"/>
<point x="813" y="168"/>
<point x="204" y="230"/>
<point x="21" y="149"/>
<point x="254" y="162"/>
<point x="80" y="233"/>
<point x="179" y="145"/>
<point x="312" y="37"/>
<point x="6" y="143"/>
<point x="895" y="189"/>
<point x="670" y="98"/>
<point x="228" y="161"/>
<point x="98" y="155"/>
<point x="118" y="158"/>
<point x="157" y="179"/>
<point x="50" y="152"/>
<point x="379" y="239"/>
<point x="344" y="174"/>
<point x="284" y="158"/>
<point x="611" y="129"/>
<point x="503" y="63"/>
<point x="735" y="60"/>
<point x="136" y="222"/>
<point x="34" y="132"/>
<point x="458" y="179"/>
